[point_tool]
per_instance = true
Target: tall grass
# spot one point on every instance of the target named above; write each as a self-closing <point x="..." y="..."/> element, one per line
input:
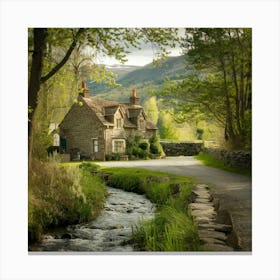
<point x="60" y="195"/>
<point x="172" y="229"/>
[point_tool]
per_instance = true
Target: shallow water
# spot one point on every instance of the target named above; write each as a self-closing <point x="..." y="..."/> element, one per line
<point x="110" y="232"/>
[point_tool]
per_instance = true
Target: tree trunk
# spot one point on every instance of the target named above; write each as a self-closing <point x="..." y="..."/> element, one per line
<point x="229" y="118"/>
<point x="36" y="78"/>
<point x="35" y="73"/>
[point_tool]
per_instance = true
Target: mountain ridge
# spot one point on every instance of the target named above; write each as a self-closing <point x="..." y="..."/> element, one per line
<point x="144" y="79"/>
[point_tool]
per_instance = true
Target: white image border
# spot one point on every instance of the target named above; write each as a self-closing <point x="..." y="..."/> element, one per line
<point x="17" y="16"/>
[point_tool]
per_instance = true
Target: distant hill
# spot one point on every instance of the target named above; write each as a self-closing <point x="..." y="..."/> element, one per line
<point x="143" y="79"/>
<point x="172" y="68"/>
<point x="122" y="70"/>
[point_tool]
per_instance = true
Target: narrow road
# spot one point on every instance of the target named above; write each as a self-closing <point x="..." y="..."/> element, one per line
<point x="233" y="191"/>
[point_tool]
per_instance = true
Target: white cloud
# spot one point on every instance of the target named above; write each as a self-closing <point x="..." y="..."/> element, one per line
<point x="138" y="57"/>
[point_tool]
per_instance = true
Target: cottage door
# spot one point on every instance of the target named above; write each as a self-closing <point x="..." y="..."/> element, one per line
<point x="63" y="145"/>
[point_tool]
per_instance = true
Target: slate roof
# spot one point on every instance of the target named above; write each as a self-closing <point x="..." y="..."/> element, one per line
<point x="110" y="110"/>
<point x="97" y="105"/>
<point x="105" y="108"/>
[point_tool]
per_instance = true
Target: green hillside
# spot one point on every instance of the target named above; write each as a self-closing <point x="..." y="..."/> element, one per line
<point x="173" y="67"/>
<point x="144" y="79"/>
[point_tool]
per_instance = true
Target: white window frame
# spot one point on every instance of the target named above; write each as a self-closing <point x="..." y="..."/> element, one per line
<point x="118" y="123"/>
<point x="56" y="140"/>
<point x="115" y="141"/>
<point x="95" y="145"/>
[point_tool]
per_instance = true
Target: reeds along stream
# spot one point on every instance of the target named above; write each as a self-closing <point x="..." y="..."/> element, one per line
<point x="110" y="232"/>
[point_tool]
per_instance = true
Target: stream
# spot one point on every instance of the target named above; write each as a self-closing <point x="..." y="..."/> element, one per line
<point x="108" y="233"/>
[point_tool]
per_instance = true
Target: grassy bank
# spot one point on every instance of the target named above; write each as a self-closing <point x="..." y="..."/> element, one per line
<point x="209" y="160"/>
<point x="172" y="229"/>
<point x="60" y="195"/>
<point x="69" y="193"/>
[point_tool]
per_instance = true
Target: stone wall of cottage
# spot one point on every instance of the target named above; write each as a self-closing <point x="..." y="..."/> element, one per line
<point x="79" y="127"/>
<point x="108" y="140"/>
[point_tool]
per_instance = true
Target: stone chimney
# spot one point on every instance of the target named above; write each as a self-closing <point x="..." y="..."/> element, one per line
<point x="134" y="100"/>
<point x="85" y="91"/>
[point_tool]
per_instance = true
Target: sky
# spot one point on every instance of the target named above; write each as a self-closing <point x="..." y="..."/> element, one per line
<point x="138" y="57"/>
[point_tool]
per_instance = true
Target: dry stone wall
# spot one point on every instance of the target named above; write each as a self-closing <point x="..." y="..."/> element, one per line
<point x="241" y="159"/>
<point x="181" y="148"/>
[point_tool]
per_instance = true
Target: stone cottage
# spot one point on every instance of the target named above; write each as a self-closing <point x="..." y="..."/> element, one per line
<point x="95" y="127"/>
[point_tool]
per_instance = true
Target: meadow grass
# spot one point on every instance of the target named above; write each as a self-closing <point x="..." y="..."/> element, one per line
<point x="60" y="195"/>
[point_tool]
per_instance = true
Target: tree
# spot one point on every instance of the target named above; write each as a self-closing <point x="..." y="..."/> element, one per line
<point x="166" y="126"/>
<point x="56" y="45"/>
<point x="151" y="109"/>
<point x="41" y="49"/>
<point x="220" y="85"/>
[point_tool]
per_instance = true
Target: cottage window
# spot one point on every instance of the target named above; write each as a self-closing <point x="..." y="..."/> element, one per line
<point x="119" y="146"/>
<point x="119" y="123"/>
<point x="95" y="145"/>
<point x="142" y="124"/>
<point x="56" y="139"/>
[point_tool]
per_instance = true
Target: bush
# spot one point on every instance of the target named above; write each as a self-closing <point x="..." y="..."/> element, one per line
<point x="199" y="133"/>
<point x="113" y="156"/>
<point x="155" y="146"/>
<point x="62" y="195"/>
<point x="144" y="146"/>
<point x="136" y="148"/>
<point x="137" y="152"/>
